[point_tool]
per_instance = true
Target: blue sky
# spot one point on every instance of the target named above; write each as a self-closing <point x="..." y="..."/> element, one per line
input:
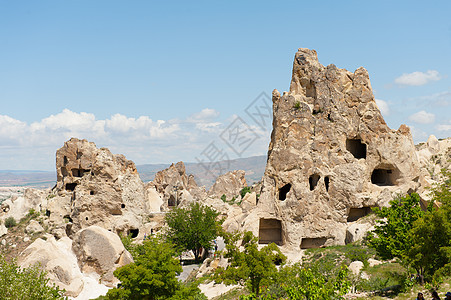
<point x="160" y="80"/>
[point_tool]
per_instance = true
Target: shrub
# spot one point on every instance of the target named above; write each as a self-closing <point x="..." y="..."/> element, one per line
<point x="297" y="105"/>
<point x="10" y="222"/>
<point x="244" y="191"/>
<point x="25" y="283"/>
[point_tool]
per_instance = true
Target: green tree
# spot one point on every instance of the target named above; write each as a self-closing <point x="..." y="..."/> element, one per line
<point x="391" y="237"/>
<point x="26" y="283"/>
<point x="307" y="283"/>
<point x="153" y="275"/>
<point x="431" y="235"/>
<point x="193" y="228"/>
<point x="251" y="267"/>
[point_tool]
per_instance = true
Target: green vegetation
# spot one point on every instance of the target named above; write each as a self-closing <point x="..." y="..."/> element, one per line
<point x="193" y="228"/>
<point x="244" y="191"/>
<point x="252" y="267"/>
<point x="297" y="105"/>
<point x="25" y="283"/>
<point x="10" y="222"/>
<point x="421" y="240"/>
<point x="153" y="275"/>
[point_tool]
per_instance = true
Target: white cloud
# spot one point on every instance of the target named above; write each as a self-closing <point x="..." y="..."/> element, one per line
<point x="383" y="107"/>
<point x="418" y="78"/>
<point x="422" y="117"/>
<point x="444" y="127"/>
<point x="205" y="115"/>
<point x="141" y="139"/>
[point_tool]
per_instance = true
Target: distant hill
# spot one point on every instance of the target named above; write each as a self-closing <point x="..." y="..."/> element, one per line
<point x="205" y="174"/>
<point x="28" y="178"/>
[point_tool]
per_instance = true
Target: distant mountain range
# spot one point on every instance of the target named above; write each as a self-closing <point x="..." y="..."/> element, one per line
<point x="204" y="173"/>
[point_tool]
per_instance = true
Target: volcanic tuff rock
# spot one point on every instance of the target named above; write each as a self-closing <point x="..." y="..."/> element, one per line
<point x="96" y="187"/>
<point x="229" y="184"/>
<point x="330" y="159"/>
<point x="176" y="187"/>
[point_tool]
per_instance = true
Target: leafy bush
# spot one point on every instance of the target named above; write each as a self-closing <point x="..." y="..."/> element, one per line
<point x="224" y="198"/>
<point x="153" y="275"/>
<point x="25" y="283"/>
<point x="297" y="105"/>
<point x="10" y="222"/>
<point x="244" y="191"/>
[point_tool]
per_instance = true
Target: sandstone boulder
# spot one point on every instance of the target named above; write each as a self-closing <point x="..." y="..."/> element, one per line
<point x="33" y="227"/>
<point x="3" y="230"/>
<point x="58" y="260"/>
<point x="100" y="251"/>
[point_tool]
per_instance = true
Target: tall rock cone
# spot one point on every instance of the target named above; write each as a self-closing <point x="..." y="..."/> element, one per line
<point x="331" y="158"/>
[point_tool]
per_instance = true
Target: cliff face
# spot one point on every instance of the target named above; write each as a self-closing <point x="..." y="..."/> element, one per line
<point x="331" y="158"/>
<point x="96" y="187"/>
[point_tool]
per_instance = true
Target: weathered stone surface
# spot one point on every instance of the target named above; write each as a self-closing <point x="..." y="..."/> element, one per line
<point x="3" y="230"/>
<point x="58" y="260"/>
<point x="331" y="157"/>
<point x="175" y="186"/>
<point x="356" y="231"/>
<point x="34" y="226"/>
<point x="229" y="184"/>
<point x="19" y="206"/>
<point x="97" y="187"/>
<point x="101" y="251"/>
<point x="355" y="267"/>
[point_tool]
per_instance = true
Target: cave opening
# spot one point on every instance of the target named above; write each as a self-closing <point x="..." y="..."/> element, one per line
<point x="71" y="186"/>
<point x="356" y="147"/>
<point x="308" y="243"/>
<point x="313" y="181"/>
<point x="384" y="176"/>
<point x="326" y="182"/>
<point x="357" y="213"/>
<point x="133" y="232"/>
<point x="171" y="200"/>
<point x="283" y="191"/>
<point x="270" y="231"/>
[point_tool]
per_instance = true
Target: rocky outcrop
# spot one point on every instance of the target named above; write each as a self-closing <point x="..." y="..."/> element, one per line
<point x="101" y="252"/>
<point x="18" y="206"/>
<point x="331" y="158"/>
<point x="57" y="259"/>
<point x="96" y="187"/>
<point x="175" y="187"/>
<point x="229" y="184"/>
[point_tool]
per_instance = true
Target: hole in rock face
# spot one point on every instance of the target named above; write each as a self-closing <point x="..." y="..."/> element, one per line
<point x="357" y="213"/>
<point x="91" y="193"/>
<point x="65" y="161"/>
<point x="47" y="213"/>
<point x="79" y="154"/>
<point x="326" y="182"/>
<point x="70" y="186"/>
<point x="270" y="231"/>
<point x="384" y="176"/>
<point x="122" y="205"/>
<point x="308" y="243"/>
<point x="283" y="191"/>
<point x="86" y="218"/>
<point x="64" y="171"/>
<point x="356" y="147"/>
<point x="79" y="172"/>
<point x="310" y="89"/>
<point x="68" y="219"/>
<point x="133" y="232"/>
<point x="171" y="200"/>
<point x="313" y="181"/>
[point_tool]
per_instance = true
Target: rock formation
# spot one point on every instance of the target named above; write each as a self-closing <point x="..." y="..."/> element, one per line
<point x="229" y="184"/>
<point x="176" y="187"/>
<point x="95" y="187"/>
<point x="331" y="157"/>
